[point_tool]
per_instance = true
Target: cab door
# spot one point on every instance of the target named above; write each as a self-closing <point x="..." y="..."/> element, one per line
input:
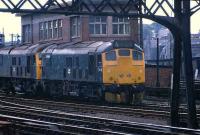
<point x="92" y="66"/>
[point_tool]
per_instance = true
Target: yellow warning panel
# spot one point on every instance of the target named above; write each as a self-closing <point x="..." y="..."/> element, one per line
<point x="123" y="70"/>
<point x="38" y="67"/>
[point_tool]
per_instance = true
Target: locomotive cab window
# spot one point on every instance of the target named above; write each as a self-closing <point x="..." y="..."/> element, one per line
<point x="111" y="56"/>
<point x="137" y="55"/>
<point x="124" y="52"/>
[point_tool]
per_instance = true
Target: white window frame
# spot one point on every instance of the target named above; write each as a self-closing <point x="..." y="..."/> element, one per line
<point x="101" y="23"/>
<point x="53" y="26"/>
<point x="41" y="31"/>
<point x="55" y="29"/>
<point x="60" y="27"/>
<point x="118" y="23"/>
<point x="76" y="22"/>
<point x="46" y="29"/>
<point x="26" y="32"/>
<point x="50" y="29"/>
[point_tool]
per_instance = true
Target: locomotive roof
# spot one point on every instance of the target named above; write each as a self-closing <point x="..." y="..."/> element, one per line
<point x="90" y="46"/>
<point x="23" y="49"/>
<point x="6" y="50"/>
<point x="70" y="47"/>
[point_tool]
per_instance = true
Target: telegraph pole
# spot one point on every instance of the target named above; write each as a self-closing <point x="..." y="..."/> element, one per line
<point x="157" y="61"/>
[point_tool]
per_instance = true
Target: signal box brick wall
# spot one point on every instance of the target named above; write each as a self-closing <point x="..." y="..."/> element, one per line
<point x="151" y="76"/>
<point x="34" y="21"/>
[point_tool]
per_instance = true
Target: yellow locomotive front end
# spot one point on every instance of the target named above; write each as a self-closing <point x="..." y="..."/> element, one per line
<point x="123" y="75"/>
<point x="123" y="67"/>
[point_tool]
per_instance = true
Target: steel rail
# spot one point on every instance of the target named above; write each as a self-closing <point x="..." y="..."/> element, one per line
<point x="160" y="109"/>
<point x="120" y="127"/>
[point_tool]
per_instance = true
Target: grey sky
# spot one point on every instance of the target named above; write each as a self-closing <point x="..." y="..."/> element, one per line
<point x="12" y="24"/>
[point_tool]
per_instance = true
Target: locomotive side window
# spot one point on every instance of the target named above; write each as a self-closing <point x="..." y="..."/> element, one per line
<point x="124" y="52"/>
<point x="64" y="73"/>
<point x="14" y="61"/>
<point x="77" y="61"/>
<point x="19" y="61"/>
<point x="1" y="59"/>
<point x="21" y="71"/>
<point x="28" y="61"/>
<point x="11" y="69"/>
<point x="69" y="61"/>
<point x="17" y="71"/>
<point x="137" y="55"/>
<point x="111" y="56"/>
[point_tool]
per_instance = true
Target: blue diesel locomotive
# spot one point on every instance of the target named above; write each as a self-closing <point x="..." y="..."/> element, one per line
<point x="112" y="70"/>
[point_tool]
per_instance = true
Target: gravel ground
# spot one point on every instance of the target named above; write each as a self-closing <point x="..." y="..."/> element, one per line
<point x="133" y="118"/>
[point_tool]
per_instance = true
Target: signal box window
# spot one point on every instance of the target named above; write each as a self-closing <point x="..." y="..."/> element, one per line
<point x="137" y="55"/>
<point x="26" y="33"/>
<point x="45" y="30"/>
<point x="55" y="28"/>
<point x="121" y="26"/>
<point x="50" y="29"/>
<point x="41" y="31"/>
<point x="60" y="25"/>
<point x="111" y="56"/>
<point x="98" y="25"/>
<point x="75" y="27"/>
<point x="124" y="52"/>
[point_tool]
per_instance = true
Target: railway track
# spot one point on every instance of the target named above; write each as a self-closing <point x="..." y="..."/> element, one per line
<point x="160" y="111"/>
<point x="67" y="122"/>
<point x="147" y="110"/>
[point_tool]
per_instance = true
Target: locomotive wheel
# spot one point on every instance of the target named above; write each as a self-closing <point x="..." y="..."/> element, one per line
<point x="124" y="98"/>
<point x="11" y="88"/>
<point x="137" y="98"/>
